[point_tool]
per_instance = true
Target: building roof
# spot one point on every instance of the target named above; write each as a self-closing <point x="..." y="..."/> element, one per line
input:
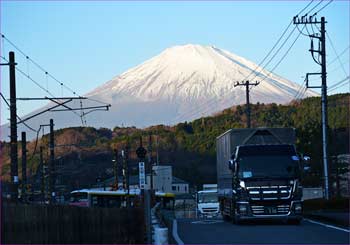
<point x="178" y="181"/>
<point x="133" y="180"/>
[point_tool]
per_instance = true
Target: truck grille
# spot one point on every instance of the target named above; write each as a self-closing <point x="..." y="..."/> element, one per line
<point x="270" y="210"/>
<point x="269" y="192"/>
<point x="210" y="210"/>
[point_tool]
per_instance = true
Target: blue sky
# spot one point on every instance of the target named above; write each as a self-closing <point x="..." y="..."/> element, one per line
<point x="86" y="43"/>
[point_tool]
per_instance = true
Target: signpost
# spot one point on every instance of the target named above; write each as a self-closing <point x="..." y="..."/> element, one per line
<point x="142" y="178"/>
<point x="141" y="154"/>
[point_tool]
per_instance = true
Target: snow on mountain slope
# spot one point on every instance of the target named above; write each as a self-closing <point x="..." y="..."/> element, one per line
<point x="191" y="74"/>
<point x="180" y="84"/>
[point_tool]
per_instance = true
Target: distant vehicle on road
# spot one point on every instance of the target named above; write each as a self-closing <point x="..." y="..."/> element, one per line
<point x="207" y="201"/>
<point x="259" y="174"/>
<point x="116" y="198"/>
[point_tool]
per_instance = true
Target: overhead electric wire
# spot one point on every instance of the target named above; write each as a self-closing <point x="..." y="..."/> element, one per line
<point x="336" y="53"/>
<point x="296" y="96"/>
<point x="348" y="83"/>
<point x="338" y="67"/>
<point x="324" y="6"/>
<point x="7" y="103"/>
<point x="341" y="53"/>
<point x="31" y="79"/>
<point x="315" y="7"/>
<point x="35" y="82"/>
<point x="45" y="71"/>
<point x="37" y="65"/>
<point x="213" y="101"/>
<point x="283" y="57"/>
<point x="338" y="83"/>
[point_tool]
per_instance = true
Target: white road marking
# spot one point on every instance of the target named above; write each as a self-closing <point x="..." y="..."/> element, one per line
<point x="329" y="226"/>
<point x="175" y="235"/>
<point x="207" y="222"/>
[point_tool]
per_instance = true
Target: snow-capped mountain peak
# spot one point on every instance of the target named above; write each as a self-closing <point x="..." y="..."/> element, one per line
<point x="182" y="83"/>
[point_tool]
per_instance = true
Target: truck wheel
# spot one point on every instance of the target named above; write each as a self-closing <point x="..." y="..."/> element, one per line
<point x="236" y="220"/>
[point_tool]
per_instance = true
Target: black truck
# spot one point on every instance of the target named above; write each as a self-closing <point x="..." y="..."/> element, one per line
<point x="258" y="173"/>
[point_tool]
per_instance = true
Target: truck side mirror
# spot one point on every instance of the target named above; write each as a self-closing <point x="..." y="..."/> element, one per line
<point x="232" y="164"/>
<point x="306" y="159"/>
<point x="306" y="163"/>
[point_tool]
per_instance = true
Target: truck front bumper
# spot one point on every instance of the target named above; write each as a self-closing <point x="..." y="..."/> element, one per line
<point x="269" y="211"/>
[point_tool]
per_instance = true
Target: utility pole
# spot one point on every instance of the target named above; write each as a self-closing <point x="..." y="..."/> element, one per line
<point x="52" y="172"/>
<point x="149" y="193"/>
<point x="141" y="154"/>
<point x="124" y="169"/>
<point x="150" y="162"/>
<point x="13" y="125"/>
<point x="127" y="173"/>
<point x="311" y="20"/>
<point x="42" y="176"/>
<point x="247" y="84"/>
<point x="24" y="166"/>
<point x="157" y="149"/>
<point x="115" y="168"/>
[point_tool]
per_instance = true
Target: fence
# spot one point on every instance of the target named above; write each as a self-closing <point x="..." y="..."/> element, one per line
<point x="66" y="224"/>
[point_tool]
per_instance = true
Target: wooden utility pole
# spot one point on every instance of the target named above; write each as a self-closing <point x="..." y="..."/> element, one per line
<point x="247" y="84"/>
<point x="42" y="176"/>
<point x="13" y="125"/>
<point x="52" y="173"/>
<point x="24" y="166"/>
<point x="116" y="169"/>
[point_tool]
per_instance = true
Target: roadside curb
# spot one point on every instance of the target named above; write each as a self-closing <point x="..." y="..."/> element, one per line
<point x="175" y="234"/>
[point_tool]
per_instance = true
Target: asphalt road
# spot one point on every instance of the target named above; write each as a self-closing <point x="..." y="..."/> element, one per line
<point x="217" y="231"/>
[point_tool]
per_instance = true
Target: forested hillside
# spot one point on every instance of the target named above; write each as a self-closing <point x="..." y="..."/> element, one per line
<point x="86" y="152"/>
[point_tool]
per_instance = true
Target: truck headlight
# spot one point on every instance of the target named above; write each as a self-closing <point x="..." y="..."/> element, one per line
<point x="242" y="184"/>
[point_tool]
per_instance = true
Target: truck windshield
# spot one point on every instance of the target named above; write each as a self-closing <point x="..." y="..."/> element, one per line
<point x="268" y="166"/>
<point x="207" y="197"/>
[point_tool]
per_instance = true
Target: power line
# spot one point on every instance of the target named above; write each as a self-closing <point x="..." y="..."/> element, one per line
<point x="37" y="83"/>
<point x="336" y="53"/>
<point x="324" y="6"/>
<point x="7" y="103"/>
<point x="284" y="56"/>
<point x="45" y="71"/>
<point x="335" y="86"/>
<point x="314" y="7"/>
<point x="47" y="74"/>
<point x="296" y="96"/>
<point x="338" y="67"/>
<point x="341" y="53"/>
<point x="211" y="102"/>
<point x="37" y="65"/>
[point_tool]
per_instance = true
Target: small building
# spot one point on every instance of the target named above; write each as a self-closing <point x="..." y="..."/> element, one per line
<point x="162" y="178"/>
<point x="179" y="186"/>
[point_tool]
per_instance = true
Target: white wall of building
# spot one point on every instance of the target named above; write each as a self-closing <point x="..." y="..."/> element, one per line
<point x="178" y="188"/>
<point x="162" y="178"/>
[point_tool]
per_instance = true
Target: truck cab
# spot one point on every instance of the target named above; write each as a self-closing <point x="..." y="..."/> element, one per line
<point x="207" y="201"/>
<point x="259" y="175"/>
<point x="266" y="182"/>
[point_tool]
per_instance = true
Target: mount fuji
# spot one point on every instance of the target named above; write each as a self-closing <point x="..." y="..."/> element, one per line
<point x="180" y="84"/>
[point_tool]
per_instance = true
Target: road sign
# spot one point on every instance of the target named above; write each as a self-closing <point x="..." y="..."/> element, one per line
<point x="141" y="152"/>
<point x="142" y="180"/>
